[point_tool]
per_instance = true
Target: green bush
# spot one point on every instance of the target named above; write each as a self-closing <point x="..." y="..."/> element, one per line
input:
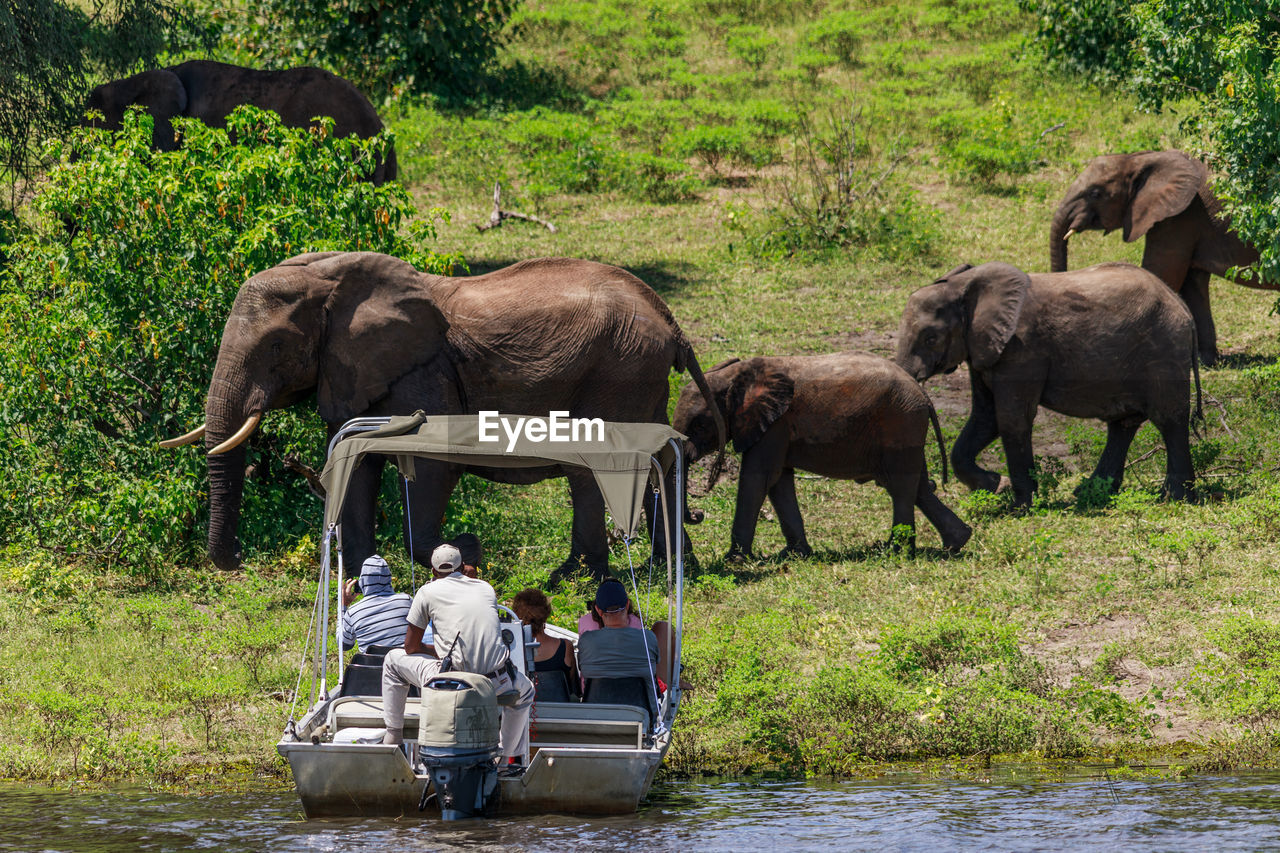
<point x="440" y="46"/>
<point x="984" y="144"/>
<point x="840" y="34"/>
<point x="837" y="192"/>
<point x="111" y="312"/>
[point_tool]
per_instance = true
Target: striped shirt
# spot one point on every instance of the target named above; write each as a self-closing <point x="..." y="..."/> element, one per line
<point x="376" y="620"/>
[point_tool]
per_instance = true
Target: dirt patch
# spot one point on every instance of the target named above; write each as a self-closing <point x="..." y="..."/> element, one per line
<point x="1073" y="650"/>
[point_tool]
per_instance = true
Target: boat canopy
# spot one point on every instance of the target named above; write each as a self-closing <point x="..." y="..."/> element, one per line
<point x="621" y="456"/>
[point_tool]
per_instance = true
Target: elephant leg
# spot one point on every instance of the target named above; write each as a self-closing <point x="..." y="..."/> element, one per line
<point x="360" y="513"/>
<point x="428" y="498"/>
<point x="978" y="432"/>
<point x="954" y="532"/>
<point x="1111" y="464"/>
<point x="1015" y="419"/>
<point x="1195" y="293"/>
<point x="761" y="467"/>
<point x="783" y="497"/>
<point x="588" y="547"/>
<point x="900" y="477"/>
<point x="1179" y="475"/>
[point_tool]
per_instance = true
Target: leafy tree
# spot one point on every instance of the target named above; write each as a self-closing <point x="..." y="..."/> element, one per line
<point x="48" y="52"/>
<point x="1220" y="59"/>
<point x="437" y="46"/>
<point x="109" y="328"/>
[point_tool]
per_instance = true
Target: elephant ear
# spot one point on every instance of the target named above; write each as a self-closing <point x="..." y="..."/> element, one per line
<point x="1163" y="184"/>
<point x="722" y="365"/>
<point x="993" y="294"/>
<point x="757" y="398"/>
<point x="380" y="323"/>
<point x="956" y="271"/>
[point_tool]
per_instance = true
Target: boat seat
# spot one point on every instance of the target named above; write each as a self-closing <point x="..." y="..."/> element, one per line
<point x="363" y="676"/>
<point x="575" y="724"/>
<point x="365" y="712"/>
<point x="622" y="691"/>
<point x="550" y="686"/>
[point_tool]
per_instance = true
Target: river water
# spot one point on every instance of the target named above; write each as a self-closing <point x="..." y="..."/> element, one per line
<point x="894" y="813"/>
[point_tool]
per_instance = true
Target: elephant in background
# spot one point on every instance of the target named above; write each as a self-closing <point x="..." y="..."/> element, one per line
<point x="1164" y="196"/>
<point x="848" y="415"/>
<point x="210" y="91"/>
<point x="1108" y="342"/>
<point x="368" y="334"/>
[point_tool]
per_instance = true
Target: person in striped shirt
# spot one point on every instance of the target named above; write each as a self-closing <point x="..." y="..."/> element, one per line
<point x="376" y="622"/>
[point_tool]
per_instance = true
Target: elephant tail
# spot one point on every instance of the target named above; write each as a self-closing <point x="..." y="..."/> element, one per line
<point x="1197" y="417"/>
<point x="690" y="363"/>
<point x="942" y="448"/>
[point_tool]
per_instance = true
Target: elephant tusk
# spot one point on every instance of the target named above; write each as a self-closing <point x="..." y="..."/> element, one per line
<point x="183" y="440"/>
<point x="241" y="434"/>
<point x="1067" y="236"/>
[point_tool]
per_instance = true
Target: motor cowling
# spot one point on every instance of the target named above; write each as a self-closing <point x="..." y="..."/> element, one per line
<point x="459" y="725"/>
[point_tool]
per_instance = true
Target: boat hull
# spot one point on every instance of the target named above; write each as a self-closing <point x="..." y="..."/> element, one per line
<point x="357" y="780"/>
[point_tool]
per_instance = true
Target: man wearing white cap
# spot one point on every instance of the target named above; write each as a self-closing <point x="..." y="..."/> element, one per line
<point x="463" y="613"/>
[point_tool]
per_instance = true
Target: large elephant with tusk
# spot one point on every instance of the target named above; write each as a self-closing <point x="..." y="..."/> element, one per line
<point x="1165" y="197"/>
<point x="369" y="334"/>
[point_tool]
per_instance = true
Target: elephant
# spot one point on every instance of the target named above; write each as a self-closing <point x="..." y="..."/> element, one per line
<point x="848" y="415"/>
<point x="209" y="91"/>
<point x="1109" y="342"/>
<point x="1164" y="196"/>
<point x="370" y="335"/>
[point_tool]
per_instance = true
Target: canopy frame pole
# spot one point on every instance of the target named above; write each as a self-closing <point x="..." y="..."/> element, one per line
<point x="678" y="560"/>
<point x="351" y="427"/>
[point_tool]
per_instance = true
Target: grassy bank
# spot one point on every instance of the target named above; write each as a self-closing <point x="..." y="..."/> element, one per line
<point x="1083" y="628"/>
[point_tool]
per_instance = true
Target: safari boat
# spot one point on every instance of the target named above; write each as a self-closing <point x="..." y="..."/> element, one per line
<point x="583" y="758"/>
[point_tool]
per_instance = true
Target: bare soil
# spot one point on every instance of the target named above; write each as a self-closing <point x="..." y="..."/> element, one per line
<point x="1072" y="650"/>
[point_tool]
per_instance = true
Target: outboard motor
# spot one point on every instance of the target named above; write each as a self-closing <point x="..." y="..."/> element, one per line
<point x="458" y="738"/>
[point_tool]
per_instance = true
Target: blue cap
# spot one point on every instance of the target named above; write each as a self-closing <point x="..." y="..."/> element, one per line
<point x="611" y="595"/>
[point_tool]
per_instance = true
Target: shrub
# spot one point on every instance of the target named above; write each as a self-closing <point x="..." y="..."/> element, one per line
<point x="840" y="34"/>
<point x="715" y="145"/>
<point x="837" y="192"/>
<point x="439" y="46"/>
<point x="984" y="144"/>
<point x="111" y="313"/>
<point x="753" y="46"/>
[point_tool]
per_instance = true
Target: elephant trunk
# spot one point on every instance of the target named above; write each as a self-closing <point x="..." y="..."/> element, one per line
<point x="232" y="401"/>
<point x="1058" y="238"/>
<point x="226" y="488"/>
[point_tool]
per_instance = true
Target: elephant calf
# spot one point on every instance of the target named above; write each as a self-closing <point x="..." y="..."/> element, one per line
<point x="847" y="415"/>
<point x="1109" y="342"/>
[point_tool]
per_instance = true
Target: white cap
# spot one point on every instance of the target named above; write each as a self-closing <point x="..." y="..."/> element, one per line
<point x="446" y="558"/>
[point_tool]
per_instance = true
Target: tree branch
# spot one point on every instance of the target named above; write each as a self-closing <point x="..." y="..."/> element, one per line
<point x="498" y="215"/>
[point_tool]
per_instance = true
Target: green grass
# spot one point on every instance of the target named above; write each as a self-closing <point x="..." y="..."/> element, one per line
<point x="1141" y="631"/>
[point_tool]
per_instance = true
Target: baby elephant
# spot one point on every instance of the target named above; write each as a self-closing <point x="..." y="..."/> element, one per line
<point x="847" y="415"/>
<point x="1109" y="342"/>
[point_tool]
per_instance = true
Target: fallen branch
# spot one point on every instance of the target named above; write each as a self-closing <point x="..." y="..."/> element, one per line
<point x="498" y="215"/>
<point x="308" y="473"/>
<point x="1152" y="452"/>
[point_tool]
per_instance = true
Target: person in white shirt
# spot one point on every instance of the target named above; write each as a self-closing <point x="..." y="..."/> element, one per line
<point x="463" y="613"/>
